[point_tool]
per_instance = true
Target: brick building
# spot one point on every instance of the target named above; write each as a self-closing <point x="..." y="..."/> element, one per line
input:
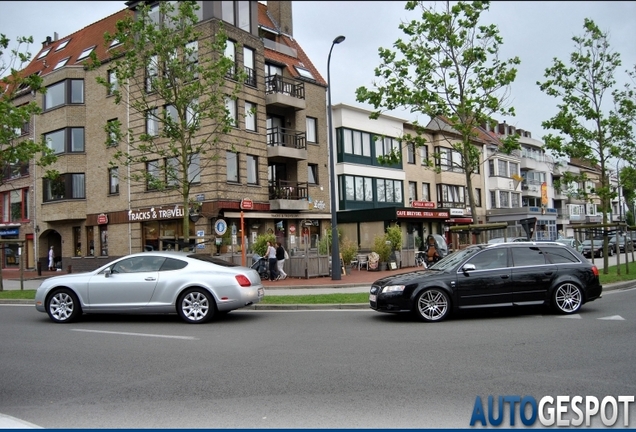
<point x="92" y="213"/>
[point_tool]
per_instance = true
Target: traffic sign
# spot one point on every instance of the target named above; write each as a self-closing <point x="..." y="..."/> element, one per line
<point x="220" y="227"/>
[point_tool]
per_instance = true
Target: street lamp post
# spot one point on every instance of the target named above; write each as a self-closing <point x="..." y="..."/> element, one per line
<point x="618" y="186"/>
<point x="335" y="247"/>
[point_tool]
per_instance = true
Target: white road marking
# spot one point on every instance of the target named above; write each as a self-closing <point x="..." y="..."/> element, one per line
<point x="613" y="318"/>
<point x="137" y="334"/>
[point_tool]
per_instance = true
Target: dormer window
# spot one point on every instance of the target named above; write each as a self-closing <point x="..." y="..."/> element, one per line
<point x="62" y="45"/>
<point x="114" y="43"/>
<point x="305" y="73"/>
<point x="44" y="53"/>
<point x="85" y="53"/>
<point x="61" y="63"/>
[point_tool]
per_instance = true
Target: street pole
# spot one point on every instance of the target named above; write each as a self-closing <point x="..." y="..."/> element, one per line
<point x="335" y="247"/>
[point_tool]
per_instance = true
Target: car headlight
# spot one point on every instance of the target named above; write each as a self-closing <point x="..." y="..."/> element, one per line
<point x="393" y="288"/>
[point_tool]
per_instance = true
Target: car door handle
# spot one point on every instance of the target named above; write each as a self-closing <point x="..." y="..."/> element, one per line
<point x="548" y="273"/>
<point x="505" y="276"/>
<point x="150" y="278"/>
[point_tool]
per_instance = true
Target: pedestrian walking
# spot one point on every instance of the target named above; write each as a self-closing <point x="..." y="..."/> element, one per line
<point x="51" y="259"/>
<point x="281" y="254"/>
<point x="271" y="257"/>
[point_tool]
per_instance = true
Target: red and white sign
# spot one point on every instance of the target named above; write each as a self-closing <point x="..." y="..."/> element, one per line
<point x="247" y="204"/>
<point x="102" y="219"/>
<point x="292" y="229"/>
<point x="423" y="204"/>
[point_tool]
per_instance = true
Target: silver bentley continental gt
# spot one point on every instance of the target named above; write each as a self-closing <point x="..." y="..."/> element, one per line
<point x="194" y="286"/>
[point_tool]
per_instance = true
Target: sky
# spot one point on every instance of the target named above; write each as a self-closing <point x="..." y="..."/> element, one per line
<point x="535" y="31"/>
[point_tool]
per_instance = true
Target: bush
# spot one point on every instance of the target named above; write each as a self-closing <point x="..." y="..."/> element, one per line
<point x="260" y="245"/>
<point x="324" y="244"/>
<point x="382" y="248"/>
<point x="394" y="235"/>
<point x="348" y="250"/>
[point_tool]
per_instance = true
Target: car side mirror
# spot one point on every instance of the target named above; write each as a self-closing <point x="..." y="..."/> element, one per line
<point x="468" y="267"/>
<point x="107" y="273"/>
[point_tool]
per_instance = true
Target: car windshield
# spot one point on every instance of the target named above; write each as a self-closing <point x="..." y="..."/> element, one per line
<point x="453" y="260"/>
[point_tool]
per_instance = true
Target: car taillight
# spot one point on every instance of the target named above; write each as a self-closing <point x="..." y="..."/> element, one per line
<point x="595" y="271"/>
<point x="245" y="282"/>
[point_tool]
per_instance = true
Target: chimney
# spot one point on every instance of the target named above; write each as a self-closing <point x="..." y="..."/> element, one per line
<point x="55" y="36"/>
<point x="47" y="42"/>
<point x="281" y="13"/>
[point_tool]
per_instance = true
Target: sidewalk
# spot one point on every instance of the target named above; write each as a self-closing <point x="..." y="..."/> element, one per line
<point x="353" y="281"/>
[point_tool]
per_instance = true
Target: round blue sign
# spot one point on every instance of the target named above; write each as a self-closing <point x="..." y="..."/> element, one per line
<point x="220" y="227"/>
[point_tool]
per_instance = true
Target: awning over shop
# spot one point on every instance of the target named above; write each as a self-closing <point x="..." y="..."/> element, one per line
<point x="276" y="215"/>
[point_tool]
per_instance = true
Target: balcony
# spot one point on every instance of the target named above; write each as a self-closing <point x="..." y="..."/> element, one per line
<point x="286" y="144"/>
<point x="530" y="188"/>
<point x="288" y="195"/>
<point x="284" y="92"/>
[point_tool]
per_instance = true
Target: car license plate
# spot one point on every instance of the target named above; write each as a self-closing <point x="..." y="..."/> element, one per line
<point x="261" y="292"/>
<point x="372" y="297"/>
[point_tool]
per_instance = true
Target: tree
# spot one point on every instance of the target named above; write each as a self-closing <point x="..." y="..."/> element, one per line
<point x="167" y="72"/>
<point x="594" y="117"/>
<point x="17" y="149"/>
<point x="448" y="67"/>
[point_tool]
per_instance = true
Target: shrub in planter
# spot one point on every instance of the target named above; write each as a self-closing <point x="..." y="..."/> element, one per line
<point x="382" y="248"/>
<point x="348" y="250"/>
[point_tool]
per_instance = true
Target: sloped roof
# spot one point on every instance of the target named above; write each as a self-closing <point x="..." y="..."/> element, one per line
<point x="89" y="36"/>
<point x="302" y="60"/>
<point x="481" y="134"/>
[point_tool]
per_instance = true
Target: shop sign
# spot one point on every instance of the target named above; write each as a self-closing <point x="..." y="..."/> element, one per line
<point x="422" y="214"/>
<point x="156" y="214"/>
<point x="457" y="212"/>
<point x="423" y="204"/>
<point x="102" y="219"/>
<point x="292" y="229"/>
<point x="247" y="204"/>
<point x="11" y="231"/>
<point x="220" y="227"/>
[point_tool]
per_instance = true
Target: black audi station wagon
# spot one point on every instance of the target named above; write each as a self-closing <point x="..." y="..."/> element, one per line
<point x="492" y="275"/>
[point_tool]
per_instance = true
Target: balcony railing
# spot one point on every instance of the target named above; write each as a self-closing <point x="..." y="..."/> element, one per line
<point x="278" y="136"/>
<point x="250" y="77"/>
<point x="290" y="190"/>
<point x="278" y="84"/>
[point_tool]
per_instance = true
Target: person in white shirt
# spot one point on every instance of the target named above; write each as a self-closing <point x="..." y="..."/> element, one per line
<point x="273" y="262"/>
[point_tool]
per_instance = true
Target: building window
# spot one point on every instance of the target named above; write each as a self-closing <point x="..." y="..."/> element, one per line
<point x="192" y="57"/>
<point x="152" y="72"/>
<point x="103" y="240"/>
<point x="113" y="85"/>
<point x="384" y="147"/>
<point x="451" y="196"/>
<point x="15" y="205"/>
<point x="358" y="188"/>
<point x="112" y="139"/>
<point x="152" y="122"/>
<point x="230" y="52"/>
<point x="389" y="191"/>
<point x="230" y="107"/>
<point x="113" y="180"/>
<point x="426" y="191"/>
<point x="504" y="201"/>
<point x="64" y="93"/>
<point x="412" y="191"/>
<point x="90" y="246"/>
<point x="194" y="168"/>
<point x="69" y="140"/>
<point x="477" y="197"/>
<point x="65" y="186"/>
<point x="232" y="166"/>
<point x="312" y="174"/>
<point x="305" y="73"/>
<point x="61" y="63"/>
<point x="15" y="170"/>
<point x="62" y="45"/>
<point x="502" y="166"/>
<point x="410" y="153"/>
<point x="43" y="54"/>
<point x="514" y="168"/>
<point x="514" y="200"/>
<point x="491" y="168"/>
<point x="248" y="65"/>
<point x="77" y="240"/>
<point x="424" y="155"/>
<point x="250" y="116"/>
<point x="355" y="142"/>
<point x="153" y="174"/>
<point x="449" y="160"/>
<point x="227" y="12"/>
<point x="85" y="53"/>
<point x="244" y="16"/>
<point x="312" y="128"/>
<point x="252" y="170"/>
<point x="493" y="199"/>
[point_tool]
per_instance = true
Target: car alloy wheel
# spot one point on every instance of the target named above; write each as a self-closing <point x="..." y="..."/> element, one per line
<point x="568" y="298"/>
<point x="196" y="306"/>
<point x="62" y="306"/>
<point x="432" y="305"/>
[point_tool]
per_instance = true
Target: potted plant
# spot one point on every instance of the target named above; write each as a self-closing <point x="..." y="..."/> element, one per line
<point x="382" y="246"/>
<point x="348" y="250"/>
<point x="394" y="235"/>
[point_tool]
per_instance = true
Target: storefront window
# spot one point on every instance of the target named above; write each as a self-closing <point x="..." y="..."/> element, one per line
<point x="103" y="240"/>
<point x="165" y="235"/>
<point x="77" y="240"/>
<point x="90" y="242"/>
